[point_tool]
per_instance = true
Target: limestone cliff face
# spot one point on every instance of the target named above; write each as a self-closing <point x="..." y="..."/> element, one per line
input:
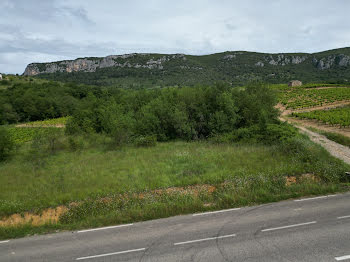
<point x="281" y="60"/>
<point x="92" y="64"/>
<point x="320" y="61"/>
<point x="331" y="61"/>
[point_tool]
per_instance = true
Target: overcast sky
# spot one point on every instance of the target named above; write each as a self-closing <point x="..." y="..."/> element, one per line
<point x="51" y="30"/>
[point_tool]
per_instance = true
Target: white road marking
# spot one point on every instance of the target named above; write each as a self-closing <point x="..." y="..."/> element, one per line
<point x="343" y="217"/>
<point x="4" y="241"/>
<point x="111" y="254"/>
<point x="215" y="212"/>
<point x="203" y="239"/>
<point x="103" y="228"/>
<point x="342" y="258"/>
<point x="289" y="226"/>
<point x="312" y="198"/>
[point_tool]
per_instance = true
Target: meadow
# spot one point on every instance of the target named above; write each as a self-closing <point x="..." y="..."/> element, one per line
<point x="242" y="174"/>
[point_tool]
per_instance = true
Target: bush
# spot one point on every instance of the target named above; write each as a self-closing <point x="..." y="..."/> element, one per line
<point x="145" y="141"/>
<point x="271" y="134"/>
<point x="75" y="143"/>
<point x="6" y="144"/>
<point x="176" y="113"/>
<point x="279" y="133"/>
<point x="54" y="139"/>
<point x="45" y="144"/>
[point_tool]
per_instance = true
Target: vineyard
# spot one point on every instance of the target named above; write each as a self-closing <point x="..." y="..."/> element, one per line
<point x="297" y="98"/>
<point x="26" y="132"/>
<point x="23" y="135"/>
<point x="48" y="123"/>
<point x="337" y="116"/>
<point x="314" y="85"/>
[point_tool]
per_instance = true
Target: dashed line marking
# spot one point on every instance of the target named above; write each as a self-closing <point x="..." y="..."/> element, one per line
<point x="289" y="226"/>
<point x="103" y="228"/>
<point x="203" y="239"/>
<point x="4" y="241"/>
<point x="343" y="217"/>
<point x="114" y="253"/>
<point x="215" y="212"/>
<point x="313" y="198"/>
<point x="342" y="258"/>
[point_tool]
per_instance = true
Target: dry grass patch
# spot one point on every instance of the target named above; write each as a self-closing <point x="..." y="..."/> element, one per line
<point x="48" y="216"/>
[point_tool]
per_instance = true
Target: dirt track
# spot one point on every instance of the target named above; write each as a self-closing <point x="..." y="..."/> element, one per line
<point x="335" y="149"/>
<point x="319" y="125"/>
<point x="345" y="131"/>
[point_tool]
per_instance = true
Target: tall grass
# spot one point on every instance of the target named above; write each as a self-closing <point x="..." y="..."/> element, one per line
<point x="92" y="173"/>
<point x="101" y="186"/>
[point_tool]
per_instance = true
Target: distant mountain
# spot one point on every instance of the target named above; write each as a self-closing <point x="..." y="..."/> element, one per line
<point x="238" y="67"/>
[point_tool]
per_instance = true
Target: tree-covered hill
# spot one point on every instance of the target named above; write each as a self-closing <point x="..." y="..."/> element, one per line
<point x="236" y="68"/>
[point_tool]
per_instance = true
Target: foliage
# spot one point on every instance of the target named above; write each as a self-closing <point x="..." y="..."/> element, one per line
<point x="75" y="143"/>
<point x="25" y="101"/>
<point x="6" y="144"/>
<point x="171" y="113"/>
<point x="271" y="134"/>
<point x="145" y="141"/>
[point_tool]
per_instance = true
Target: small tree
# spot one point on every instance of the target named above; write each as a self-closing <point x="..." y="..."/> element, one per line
<point x="6" y="144"/>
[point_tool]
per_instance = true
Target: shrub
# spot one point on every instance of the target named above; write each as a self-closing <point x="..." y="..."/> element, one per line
<point x="173" y="113"/>
<point x="279" y="132"/>
<point x="271" y="134"/>
<point x="145" y="141"/>
<point x="45" y="144"/>
<point x="75" y="143"/>
<point x="54" y="140"/>
<point x="6" y="144"/>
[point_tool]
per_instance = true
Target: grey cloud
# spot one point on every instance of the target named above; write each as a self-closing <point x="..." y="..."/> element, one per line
<point x="38" y="31"/>
<point x="43" y="11"/>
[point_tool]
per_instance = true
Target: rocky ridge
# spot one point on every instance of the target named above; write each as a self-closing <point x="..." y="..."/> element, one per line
<point x="236" y="68"/>
<point x="92" y="64"/>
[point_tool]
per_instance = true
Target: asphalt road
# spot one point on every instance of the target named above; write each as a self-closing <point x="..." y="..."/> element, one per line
<point x="315" y="229"/>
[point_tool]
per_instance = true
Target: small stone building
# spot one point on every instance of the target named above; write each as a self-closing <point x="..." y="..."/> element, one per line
<point x="295" y="83"/>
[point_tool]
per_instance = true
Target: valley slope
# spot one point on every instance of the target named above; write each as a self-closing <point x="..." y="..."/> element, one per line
<point x="236" y="68"/>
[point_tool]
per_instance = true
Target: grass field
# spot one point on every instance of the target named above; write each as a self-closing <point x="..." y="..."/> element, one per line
<point x="241" y="174"/>
<point x="337" y="116"/>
